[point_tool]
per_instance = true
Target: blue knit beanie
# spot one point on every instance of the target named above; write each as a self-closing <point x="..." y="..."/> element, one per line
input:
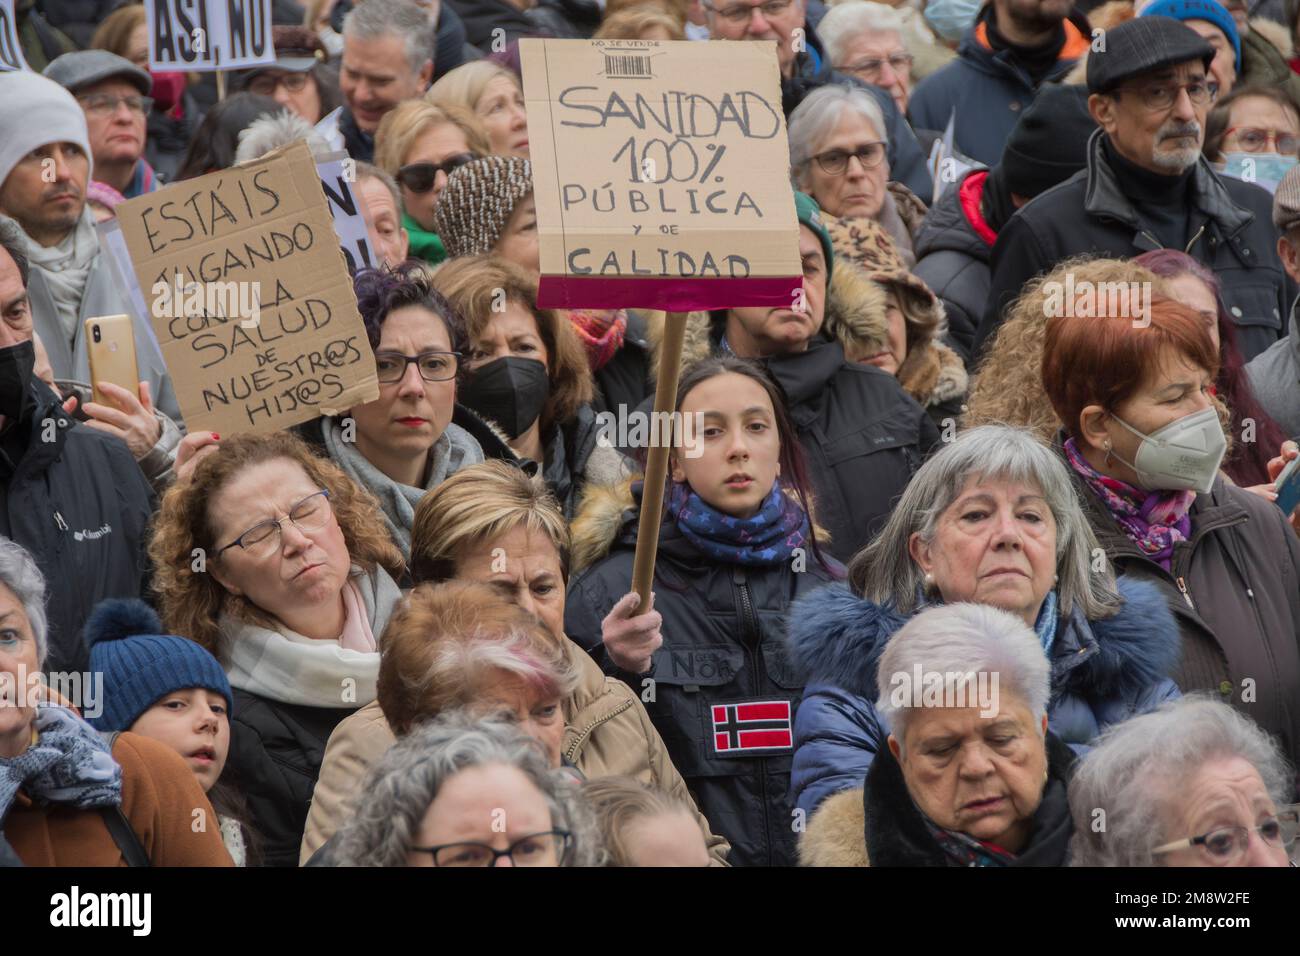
<point x="1208" y="10"/>
<point x="141" y="664"/>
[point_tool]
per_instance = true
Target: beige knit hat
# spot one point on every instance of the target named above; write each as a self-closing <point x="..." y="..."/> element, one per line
<point x="477" y="202"/>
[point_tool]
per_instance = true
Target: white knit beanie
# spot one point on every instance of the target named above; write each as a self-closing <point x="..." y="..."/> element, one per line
<point x="34" y="112"/>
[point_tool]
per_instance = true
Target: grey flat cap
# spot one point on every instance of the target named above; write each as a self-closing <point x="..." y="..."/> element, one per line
<point x="1141" y="45"/>
<point x="83" y="68"/>
<point x="1286" y="201"/>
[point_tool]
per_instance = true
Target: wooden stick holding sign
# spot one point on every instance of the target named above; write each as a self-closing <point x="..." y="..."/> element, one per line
<point x="658" y="193"/>
<point x="656" y="467"/>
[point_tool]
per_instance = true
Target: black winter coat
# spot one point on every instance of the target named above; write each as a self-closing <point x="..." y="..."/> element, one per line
<point x="724" y="648"/>
<point x="624" y="382"/>
<point x="1089" y="213"/>
<point x="566" y="19"/>
<point x="1234" y="590"/>
<point x="953" y="260"/>
<point x="481" y="17"/>
<point x="275" y="756"/>
<point x="81" y="506"/>
<point x="864" y="437"/>
<point x="897" y="834"/>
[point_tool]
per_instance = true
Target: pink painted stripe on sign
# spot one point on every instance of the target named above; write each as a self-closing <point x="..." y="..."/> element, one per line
<point x="671" y="295"/>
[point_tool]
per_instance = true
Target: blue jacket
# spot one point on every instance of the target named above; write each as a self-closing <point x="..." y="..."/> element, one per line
<point x="987" y="90"/>
<point x="1103" y="672"/>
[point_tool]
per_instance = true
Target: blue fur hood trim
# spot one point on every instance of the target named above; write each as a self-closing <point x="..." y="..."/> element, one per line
<point x="837" y="638"/>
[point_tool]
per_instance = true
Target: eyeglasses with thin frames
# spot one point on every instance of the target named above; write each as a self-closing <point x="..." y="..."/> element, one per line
<point x="898" y="62"/>
<point x="1158" y="97"/>
<point x="265" y="84"/>
<point x="1253" y="139"/>
<point x="308" y="515"/>
<point x="741" y="12"/>
<point x="1225" y="845"/>
<point x="390" y="367"/>
<point x="105" y="104"/>
<point x="536" y="849"/>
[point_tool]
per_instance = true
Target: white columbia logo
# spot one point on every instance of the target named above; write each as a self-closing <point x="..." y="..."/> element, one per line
<point x="94" y="535"/>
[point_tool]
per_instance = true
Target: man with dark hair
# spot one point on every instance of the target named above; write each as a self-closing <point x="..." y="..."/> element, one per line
<point x="72" y="496"/>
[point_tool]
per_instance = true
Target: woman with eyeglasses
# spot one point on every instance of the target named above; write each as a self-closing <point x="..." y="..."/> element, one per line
<point x="457" y="792"/>
<point x="1253" y="133"/>
<point x="278" y="564"/>
<point x="297" y="78"/>
<point x="838" y="144"/>
<point x="420" y="145"/>
<point x="1194" y="783"/>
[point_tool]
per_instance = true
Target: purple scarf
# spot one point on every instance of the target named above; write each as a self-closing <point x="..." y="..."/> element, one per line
<point x="1155" y="520"/>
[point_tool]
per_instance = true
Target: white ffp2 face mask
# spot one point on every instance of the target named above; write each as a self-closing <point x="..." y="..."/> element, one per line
<point x="1183" y="456"/>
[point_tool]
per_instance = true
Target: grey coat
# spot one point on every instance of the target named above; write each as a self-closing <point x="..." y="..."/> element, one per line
<point x="1275" y="378"/>
<point x="100" y="298"/>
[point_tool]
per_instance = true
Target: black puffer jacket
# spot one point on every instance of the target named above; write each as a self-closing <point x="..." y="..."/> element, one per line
<point x="1234" y="589"/>
<point x="723" y="661"/>
<point x="481" y="17"/>
<point x="1231" y="232"/>
<point x="76" y="499"/>
<point x="275" y="756"/>
<point x="953" y="260"/>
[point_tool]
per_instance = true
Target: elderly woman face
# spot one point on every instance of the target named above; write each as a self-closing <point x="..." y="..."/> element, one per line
<point x="1226" y="802"/>
<point x="411" y="412"/>
<point x="288" y="570"/>
<point x="512" y="332"/>
<point x="501" y="108"/>
<point x="848" y="173"/>
<point x="982" y="776"/>
<point x="495" y="806"/>
<point x="535" y="713"/>
<point x="18" y="668"/>
<point x="524" y="566"/>
<point x="890" y="358"/>
<point x="995" y="544"/>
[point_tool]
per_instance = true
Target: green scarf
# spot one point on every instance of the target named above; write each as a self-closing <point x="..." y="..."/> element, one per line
<point x="424" y="244"/>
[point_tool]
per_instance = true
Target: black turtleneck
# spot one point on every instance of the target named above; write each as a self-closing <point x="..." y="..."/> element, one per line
<point x="1038" y="61"/>
<point x="1162" y="202"/>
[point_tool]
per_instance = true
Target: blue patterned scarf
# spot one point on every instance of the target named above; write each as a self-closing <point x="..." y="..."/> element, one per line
<point x="768" y="537"/>
<point x="69" y="765"/>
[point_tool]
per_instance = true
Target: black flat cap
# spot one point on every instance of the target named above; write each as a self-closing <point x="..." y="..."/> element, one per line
<point x="1141" y="45"/>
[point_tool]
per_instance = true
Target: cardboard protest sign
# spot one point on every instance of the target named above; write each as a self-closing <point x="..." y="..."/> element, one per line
<point x="249" y="295"/>
<point x="11" y="51"/>
<point x="661" y="174"/>
<point x="207" y="35"/>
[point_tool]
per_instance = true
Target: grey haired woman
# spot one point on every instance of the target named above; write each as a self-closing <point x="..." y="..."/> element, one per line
<point x="1194" y="783"/>
<point x="457" y="791"/>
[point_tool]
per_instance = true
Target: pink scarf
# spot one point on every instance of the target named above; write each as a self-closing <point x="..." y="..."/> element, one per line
<point x="356" y="635"/>
<point x="601" y="332"/>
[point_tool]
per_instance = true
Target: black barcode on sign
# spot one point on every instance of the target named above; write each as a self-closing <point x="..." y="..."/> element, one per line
<point x="628" y="65"/>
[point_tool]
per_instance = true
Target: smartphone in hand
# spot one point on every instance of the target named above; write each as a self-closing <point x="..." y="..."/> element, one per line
<point x="1288" y="487"/>
<point x="110" y="344"/>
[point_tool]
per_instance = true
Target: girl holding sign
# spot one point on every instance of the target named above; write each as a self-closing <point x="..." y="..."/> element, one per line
<point x="736" y="547"/>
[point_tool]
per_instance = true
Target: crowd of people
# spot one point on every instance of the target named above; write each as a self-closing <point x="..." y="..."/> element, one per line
<point x="981" y="541"/>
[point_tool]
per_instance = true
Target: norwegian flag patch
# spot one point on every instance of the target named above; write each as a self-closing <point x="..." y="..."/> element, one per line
<point x="752" y="727"/>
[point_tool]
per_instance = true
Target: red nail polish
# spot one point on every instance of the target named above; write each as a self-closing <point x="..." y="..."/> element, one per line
<point x="216" y="437"/>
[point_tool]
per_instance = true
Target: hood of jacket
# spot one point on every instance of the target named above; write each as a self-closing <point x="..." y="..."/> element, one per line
<point x="838" y="638"/>
<point x="1104" y="199"/>
<point x="857" y="316"/>
<point x="947" y="228"/>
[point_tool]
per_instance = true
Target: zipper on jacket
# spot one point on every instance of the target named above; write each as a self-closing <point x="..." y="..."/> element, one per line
<point x="751" y="638"/>
<point x="1182" y="586"/>
<point x="59" y="522"/>
<point x="1188" y="250"/>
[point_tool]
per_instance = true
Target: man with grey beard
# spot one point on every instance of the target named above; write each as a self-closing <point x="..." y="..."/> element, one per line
<point x="1147" y="187"/>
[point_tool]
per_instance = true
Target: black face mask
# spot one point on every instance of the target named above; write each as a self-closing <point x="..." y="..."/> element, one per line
<point x="16" y="364"/>
<point x="510" y="391"/>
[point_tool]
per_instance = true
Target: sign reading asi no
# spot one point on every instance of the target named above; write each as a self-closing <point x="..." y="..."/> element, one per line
<point x="660" y="174"/>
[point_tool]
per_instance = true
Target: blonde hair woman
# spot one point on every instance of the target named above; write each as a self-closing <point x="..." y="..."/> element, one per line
<point x="495" y="96"/>
<point x="420" y="145"/>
